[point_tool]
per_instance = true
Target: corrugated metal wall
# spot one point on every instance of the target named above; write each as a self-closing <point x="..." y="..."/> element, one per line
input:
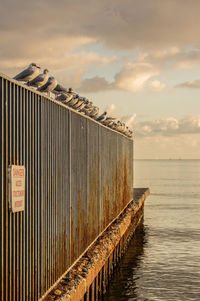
<point x="79" y="177"/>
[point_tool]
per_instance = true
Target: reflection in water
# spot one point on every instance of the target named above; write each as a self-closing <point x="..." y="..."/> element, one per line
<point x="123" y="285"/>
<point x="162" y="262"/>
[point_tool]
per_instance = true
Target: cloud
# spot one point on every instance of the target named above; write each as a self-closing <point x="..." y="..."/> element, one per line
<point x="129" y="120"/>
<point x="132" y="77"/>
<point x="190" y="84"/>
<point x="128" y="24"/>
<point x="56" y="54"/>
<point x="172" y="58"/>
<point x="156" y="85"/>
<point x="52" y="34"/>
<point x="95" y="84"/>
<point x="167" y="127"/>
<point x="184" y="146"/>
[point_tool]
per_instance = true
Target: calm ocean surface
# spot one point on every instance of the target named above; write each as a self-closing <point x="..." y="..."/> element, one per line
<point x="163" y="259"/>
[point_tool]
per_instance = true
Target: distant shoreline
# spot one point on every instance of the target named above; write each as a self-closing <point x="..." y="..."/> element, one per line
<point x="166" y="159"/>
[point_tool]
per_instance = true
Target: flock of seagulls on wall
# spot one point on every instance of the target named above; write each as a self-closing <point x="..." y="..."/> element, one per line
<point x="47" y="84"/>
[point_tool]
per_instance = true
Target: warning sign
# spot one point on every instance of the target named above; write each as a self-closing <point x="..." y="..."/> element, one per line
<point x="16" y="183"/>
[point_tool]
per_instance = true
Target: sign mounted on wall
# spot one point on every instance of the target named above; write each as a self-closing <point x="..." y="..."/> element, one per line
<point x="16" y="187"/>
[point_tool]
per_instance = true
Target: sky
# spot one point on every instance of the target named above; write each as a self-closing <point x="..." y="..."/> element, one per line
<point x="138" y="59"/>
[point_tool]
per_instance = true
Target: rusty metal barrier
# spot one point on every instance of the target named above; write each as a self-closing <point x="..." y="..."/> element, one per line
<point x="79" y="177"/>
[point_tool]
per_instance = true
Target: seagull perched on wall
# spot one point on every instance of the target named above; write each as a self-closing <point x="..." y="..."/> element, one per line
<point x="88" y="109"/>
<point x="102" y="117"/>
<point x="79" y="103"/>
<point x="130" y="134"/>
<point x="59" y="89"/>
<point x="28" y="74"/>
<point x="73" y="101"/>
<point x="108" y="120"/>
<point x="49" y="86"/>
<point x="39" y="80"/>
<point x="64" y="98"/>
<point x="85" y="103"/>
<point x="113" y="125"/>
<point x="94" y="112"/>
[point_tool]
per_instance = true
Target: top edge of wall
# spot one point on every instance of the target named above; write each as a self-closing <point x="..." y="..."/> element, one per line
<point x="16" y="82"/>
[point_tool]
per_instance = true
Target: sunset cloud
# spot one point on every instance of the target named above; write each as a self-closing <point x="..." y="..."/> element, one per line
<point x="156" y="85"/>
<point x="132" y="77"/>
<point x="43" y="34"/>
<point x="190" y="84"/>
<point x="131" y="52"/>
<point x="167" y="127"/>
<point x="122" y="25"/>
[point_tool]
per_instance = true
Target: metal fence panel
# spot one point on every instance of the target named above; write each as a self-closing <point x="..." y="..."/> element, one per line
<point x="79" y="176"/>
<point x="78" y="185"/>
<point x="93" y="181"/>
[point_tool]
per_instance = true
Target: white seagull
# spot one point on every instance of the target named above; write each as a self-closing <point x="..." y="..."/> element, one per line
<point x="59" y="89"/>
<point x="49" y="86"/>
<point x="64" y="98"/>
<point x="28" y="74"/>
<point x="40" y="80"/>
<point x="94" y="112"/>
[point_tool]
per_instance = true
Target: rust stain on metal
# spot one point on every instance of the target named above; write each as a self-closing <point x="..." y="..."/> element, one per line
<point x="77" y="182"/>
<point x="101" y="254"/>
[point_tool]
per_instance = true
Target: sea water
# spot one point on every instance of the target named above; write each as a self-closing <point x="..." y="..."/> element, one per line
<point x="163" y="258"/>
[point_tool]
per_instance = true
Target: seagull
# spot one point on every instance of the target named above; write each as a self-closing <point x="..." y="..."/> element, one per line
<point x="86" y="102"/>
<point x="125" y="131"/>
<point x="110" y="123"/>
<point x="64" y="98"/>
<point x="80" y="101"/>
<point x="89" y="109"/>
<point x="121" y="126"/>
<point x="94" y="112"/>
<point x="116" y="126"/>
<point x="49" y="86"/>
<point x="108" y="120"/>
<point x="88" y="105"/>
<point x="28" y="74"/>
<point x="113" y="125"/>
<point x="40" y="80"/>
<point x="59" y="89"/>
<point x="130" y="134"/>
<point x="102" y="117"/>
<point x="73" y="101"/>
<point x="70" y="90"/>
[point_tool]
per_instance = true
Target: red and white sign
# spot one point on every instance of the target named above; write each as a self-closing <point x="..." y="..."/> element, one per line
<point x="16" y="183"/>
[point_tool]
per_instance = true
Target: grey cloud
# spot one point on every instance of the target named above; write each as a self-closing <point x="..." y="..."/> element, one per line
<point x="119" y="24"/>
<point x="173" y="58"/>
<point x="132" y="77"/>
<point x="167" y="127"/>
<point x="48" y="32"/>
<point x="190" y="84"/>
<point x="95" y="84"/>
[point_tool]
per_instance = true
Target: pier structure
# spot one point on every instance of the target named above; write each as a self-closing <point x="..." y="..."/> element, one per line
<point x="65" y="179"/>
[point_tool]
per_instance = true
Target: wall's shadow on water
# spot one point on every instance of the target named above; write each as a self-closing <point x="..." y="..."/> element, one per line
<point x="123" y="286"/>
